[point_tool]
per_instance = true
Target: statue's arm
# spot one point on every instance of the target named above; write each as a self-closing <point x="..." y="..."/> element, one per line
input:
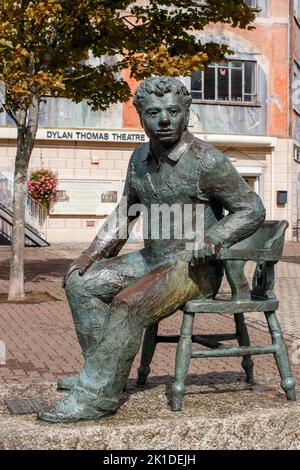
<point x="223" y="183"/>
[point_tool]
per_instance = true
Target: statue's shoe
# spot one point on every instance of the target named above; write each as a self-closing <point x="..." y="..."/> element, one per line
<point x="67" y="383"/>
<point x="64" y="411"/>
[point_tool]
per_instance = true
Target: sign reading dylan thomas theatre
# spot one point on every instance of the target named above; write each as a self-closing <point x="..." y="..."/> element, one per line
<point x="92" y="135"/>
<point x="84" y="135"/>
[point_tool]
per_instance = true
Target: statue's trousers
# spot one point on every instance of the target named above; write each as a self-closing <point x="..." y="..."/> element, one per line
<point x="113" y="302"/>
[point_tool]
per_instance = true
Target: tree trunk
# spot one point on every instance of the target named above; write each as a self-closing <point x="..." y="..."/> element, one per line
<point x="26" y="137"/>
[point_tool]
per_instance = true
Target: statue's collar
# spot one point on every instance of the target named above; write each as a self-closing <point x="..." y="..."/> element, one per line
<point x="174" y="153"/>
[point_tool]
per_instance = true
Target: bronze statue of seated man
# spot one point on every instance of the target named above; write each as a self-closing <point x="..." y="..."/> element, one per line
<point x="112" y="298"/>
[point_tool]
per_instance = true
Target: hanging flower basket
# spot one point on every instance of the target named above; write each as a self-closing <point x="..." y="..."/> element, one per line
<point x="41" y="186"/>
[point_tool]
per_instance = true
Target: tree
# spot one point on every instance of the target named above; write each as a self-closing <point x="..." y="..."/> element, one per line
<point x="45" y="47"/>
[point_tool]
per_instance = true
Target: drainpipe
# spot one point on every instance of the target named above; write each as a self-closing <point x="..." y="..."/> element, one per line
<point x="272" y="184"/>
<point x="290" y="162"/>
<point x="291" y="67"/>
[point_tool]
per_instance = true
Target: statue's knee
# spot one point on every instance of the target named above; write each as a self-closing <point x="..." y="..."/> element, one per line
<point x="74" y="283"/>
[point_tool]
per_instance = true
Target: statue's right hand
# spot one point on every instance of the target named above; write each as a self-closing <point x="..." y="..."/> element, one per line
<point x="204" y="251"/>
<point x="82" y="264"/>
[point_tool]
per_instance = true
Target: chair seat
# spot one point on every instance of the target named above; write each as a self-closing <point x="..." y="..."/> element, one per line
<point x="225" y="306"/>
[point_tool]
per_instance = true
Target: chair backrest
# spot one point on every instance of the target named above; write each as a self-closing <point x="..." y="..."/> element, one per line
<point x="266" y="244"/>
<point x="265" y="247"/>
<point x="269" y="237"/>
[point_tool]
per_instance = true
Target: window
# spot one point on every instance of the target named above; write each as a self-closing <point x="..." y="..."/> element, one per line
<point x="296" y="82"/>
<point x="253" y="182"/>
<point x="297" y="8"/>
<point x="230" y="81"/>
<point x="297" y="153"/>
<point x="251" y="3"/>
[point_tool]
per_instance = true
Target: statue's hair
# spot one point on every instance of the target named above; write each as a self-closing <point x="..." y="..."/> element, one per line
<point x="159" y="86"/>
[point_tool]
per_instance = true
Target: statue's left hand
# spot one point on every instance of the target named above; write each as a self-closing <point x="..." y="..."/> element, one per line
<point x="82" y="264"/>
<point x="204" y="251"/>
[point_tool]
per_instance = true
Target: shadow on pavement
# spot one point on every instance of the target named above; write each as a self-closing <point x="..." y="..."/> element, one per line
<point x="38" y="269"/>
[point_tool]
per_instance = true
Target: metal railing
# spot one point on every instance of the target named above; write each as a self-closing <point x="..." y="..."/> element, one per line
<point x="6" y="192"/>
<point x="5" y="231"/>
<point x="35" y="214"/>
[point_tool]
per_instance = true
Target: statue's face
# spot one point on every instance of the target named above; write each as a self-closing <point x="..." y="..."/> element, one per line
<point x="164" y="118"/>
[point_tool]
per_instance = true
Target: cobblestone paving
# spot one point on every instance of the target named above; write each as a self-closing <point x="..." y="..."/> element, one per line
<point x="41" y="342"/>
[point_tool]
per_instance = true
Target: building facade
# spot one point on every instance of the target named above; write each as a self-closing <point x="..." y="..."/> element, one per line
<point x="248" y="107"/>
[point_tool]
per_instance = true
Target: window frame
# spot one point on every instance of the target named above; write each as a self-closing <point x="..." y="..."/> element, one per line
<point x="296" y="76"/>
<point x="243" y="102"/>
<point x="254" y="6"/>
<point x="297" y="9"/>
<point x="297" y="153"/>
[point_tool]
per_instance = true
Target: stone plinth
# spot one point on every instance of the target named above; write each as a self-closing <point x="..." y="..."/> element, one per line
<point x="221" y="416"/>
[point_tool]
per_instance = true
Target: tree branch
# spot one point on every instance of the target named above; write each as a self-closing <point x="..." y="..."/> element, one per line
<point x="10" y="113"/>
<point x="127" y="21"/>
<point x="80" y="76"/>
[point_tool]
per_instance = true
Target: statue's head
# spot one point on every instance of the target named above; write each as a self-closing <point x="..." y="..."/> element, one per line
<point x="163" y="105"/>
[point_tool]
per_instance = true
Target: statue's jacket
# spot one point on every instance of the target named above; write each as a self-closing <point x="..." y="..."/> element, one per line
<point x="203" y="176"/>
<point x="192" y="174"/>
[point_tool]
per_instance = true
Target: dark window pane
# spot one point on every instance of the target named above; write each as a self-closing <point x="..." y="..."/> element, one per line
<point x="196" y="95"/>
<point x="236" y="85"/>
<point x="223" y="84"/>
<point x="209" y="84"/>
<point x="196" y="85"/>
<point x="236" y="64"/>
<point x="251" y="180"/>
<point x="223" y="64"/>
<point x="251" y="3"/>
<point x="249" y="77"/>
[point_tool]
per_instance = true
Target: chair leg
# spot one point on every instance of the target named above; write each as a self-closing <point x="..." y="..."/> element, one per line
<point x="148" y="348"/>
<point x="243" y="340"/>
<point x="183" y="357"/>
<point x="281" y="356"/>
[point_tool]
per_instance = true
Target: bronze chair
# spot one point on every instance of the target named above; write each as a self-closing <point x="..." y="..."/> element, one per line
<point x="265" y="247"/>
